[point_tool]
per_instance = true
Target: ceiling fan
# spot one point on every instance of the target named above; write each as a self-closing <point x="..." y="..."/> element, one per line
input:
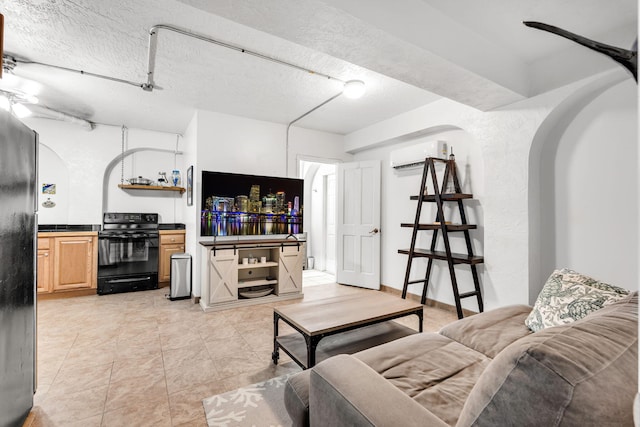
<point x="628" y="58"/>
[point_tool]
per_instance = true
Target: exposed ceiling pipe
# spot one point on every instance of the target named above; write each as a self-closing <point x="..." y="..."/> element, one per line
<point x="300" y="118"/>
<point x="48" y="113"/>
<point x="9" y="61"/>
<point x="153" y="45"/>
<point x="352" y="89"/>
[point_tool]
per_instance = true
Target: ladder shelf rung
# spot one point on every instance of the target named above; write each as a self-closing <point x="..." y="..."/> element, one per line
<point x="468" y="294"/>
<point x="450" y="227"/>
<point x="441" y="255"/>
<point x="446" y="197"/>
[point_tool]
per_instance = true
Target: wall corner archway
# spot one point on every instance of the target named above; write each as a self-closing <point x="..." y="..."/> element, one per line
<point x="542" y="202"/>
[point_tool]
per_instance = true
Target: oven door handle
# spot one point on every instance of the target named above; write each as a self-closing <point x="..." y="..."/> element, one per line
<point x="139" y="279"/>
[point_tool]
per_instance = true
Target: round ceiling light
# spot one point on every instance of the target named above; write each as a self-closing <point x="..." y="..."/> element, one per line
<point x="353" y="89"/>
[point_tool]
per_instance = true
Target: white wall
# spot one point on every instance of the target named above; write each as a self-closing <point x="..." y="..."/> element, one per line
<point x="596" y="187"/>
<point x="191" y="213"/>
<point x="227" y="143"/>
<point x="77" y="160"/>
<point x="508" y="139"/>
<point x="53" y="170"/>
<point x="398" y="185"/>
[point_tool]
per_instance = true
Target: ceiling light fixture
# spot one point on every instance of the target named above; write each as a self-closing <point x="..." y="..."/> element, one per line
<point x="353" y="89"/>
<point x="4" y="103"/>
<point x="20" y="111"/>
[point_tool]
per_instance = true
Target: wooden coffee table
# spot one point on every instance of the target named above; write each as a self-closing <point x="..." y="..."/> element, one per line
<point x="345" y="324"/>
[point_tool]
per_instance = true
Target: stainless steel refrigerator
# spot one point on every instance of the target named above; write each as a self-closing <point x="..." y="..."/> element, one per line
<point x="18" y="206"/>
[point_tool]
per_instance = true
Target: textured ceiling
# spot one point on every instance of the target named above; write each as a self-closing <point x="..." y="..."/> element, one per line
<point x="409" y="53"/>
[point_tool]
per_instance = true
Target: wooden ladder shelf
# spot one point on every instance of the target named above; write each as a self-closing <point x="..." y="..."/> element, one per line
<point x="440" y="197"/>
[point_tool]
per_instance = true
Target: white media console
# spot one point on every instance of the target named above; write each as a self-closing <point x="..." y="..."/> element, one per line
<point x="246" y="272"/>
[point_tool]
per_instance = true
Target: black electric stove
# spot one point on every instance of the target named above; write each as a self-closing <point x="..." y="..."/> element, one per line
<point x="128" y="252"/>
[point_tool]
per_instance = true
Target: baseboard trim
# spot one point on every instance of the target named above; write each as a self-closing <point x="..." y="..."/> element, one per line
<point x="67" y="294"/>
<point x="429" y="302"/>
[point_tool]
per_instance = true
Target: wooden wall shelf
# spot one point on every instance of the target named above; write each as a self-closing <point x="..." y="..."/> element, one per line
<point x="151" y="187"/>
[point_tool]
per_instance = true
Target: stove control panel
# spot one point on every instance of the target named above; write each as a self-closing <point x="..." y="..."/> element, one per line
<point x="130" y="218"/>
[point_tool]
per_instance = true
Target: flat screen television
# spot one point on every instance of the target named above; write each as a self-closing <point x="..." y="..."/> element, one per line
<point x="245" y="205"/>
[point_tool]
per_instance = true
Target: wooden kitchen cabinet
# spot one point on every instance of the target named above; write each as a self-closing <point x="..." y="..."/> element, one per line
<point x="67" y="263"/>
<point x="43" y="263"/>
<point x="75" y="260"/>
<point x="171" y="242"/>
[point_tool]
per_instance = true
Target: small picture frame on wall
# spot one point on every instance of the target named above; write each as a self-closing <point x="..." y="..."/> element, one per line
<point x="190" y="186"/>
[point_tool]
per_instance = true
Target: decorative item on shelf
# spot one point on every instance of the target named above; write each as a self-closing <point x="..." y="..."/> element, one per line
<point x="140" y="181"/>
<point x="451" y="188"/>
<point x="162" y="178"/>
<point x="263" y="259"/>
<point x="256" y="292"/>
<point x="175" y="177"/>
<point x="190" y="186"/>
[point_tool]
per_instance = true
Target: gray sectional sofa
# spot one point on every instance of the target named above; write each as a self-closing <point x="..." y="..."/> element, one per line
<point x="485" y="370"/>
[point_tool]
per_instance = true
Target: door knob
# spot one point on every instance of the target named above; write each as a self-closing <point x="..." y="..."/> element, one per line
<point x="374" y="231"/>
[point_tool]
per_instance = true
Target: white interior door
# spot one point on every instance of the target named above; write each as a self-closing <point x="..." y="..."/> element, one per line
<point x="358" y="224"/>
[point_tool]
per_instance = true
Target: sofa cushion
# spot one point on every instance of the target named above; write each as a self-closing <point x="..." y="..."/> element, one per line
<point x="346" y="392"/>
<point x="584" y="373"/>
<point x="568" y="296"/>
<point x="435" y="371"/>
<point x="296" y="398"/>
<point x="490" y="332"/>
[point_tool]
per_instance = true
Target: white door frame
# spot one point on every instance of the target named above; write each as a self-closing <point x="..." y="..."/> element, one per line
<point x="307" y="226"/>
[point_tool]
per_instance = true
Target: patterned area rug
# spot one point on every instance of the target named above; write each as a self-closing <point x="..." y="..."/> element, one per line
<point x="260" y="404"/>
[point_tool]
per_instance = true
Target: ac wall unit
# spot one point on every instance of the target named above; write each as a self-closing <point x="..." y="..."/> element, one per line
<point x="414" y="155"/>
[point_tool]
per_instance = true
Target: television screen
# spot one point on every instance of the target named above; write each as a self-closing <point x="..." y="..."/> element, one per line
<point x="243" y="205"/>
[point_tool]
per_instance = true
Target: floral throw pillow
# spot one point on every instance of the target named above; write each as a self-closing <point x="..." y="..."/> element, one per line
<point x="568" y="296"/>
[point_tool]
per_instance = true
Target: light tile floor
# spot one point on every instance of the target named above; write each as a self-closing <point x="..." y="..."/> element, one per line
<point x="138" y="359"/>
<point x="315" y="277"/>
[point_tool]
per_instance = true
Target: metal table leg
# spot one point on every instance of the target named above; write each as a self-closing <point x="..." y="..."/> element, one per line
<point x="275" y="355"/>
<point x="312" y="344"/>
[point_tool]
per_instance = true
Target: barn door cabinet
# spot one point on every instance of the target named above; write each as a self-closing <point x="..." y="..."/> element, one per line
<point x="251" y="272"/>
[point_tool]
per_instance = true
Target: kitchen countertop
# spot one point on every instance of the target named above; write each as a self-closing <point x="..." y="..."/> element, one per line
<point x="69" y="233"/>
<point x="171" y="226"/>
<point x="53" y="228"/>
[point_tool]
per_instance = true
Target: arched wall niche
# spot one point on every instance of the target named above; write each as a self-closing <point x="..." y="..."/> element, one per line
<point x="554" y="154"/>
<point x="139" y="201"/>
